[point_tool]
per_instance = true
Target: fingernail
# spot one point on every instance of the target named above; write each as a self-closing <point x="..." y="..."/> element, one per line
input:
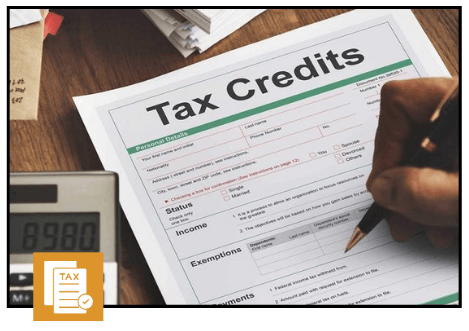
<point x="381" y="189"/>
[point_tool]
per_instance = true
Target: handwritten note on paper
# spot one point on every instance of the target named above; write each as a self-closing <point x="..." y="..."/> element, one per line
<point x="17" y="89"/>
<point x="25" y="70"/>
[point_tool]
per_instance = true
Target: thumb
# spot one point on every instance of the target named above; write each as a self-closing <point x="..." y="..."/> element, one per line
<point x="426" y="196"/>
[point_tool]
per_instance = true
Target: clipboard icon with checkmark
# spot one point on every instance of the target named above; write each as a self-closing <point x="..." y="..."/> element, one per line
<point x="71" y="287"/>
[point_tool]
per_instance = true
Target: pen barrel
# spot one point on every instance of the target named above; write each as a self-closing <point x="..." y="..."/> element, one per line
<point x="443" y="137"/>
<point x="447" y="134"/>
<point x="372" y="217"/>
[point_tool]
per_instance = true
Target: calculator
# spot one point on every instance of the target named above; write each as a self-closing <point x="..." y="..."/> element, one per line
<point x="62" y="212"/>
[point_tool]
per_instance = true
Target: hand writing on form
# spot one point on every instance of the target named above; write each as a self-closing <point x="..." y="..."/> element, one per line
<point x="419" y="197"/>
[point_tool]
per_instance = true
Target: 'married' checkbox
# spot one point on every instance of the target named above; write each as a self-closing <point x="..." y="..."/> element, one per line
<point x="227" y="197"/>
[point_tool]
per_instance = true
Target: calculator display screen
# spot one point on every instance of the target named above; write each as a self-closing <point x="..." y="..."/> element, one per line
<point x="53" y="232"/>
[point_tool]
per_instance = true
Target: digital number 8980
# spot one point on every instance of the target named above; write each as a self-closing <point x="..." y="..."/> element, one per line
<point x="66" y="237"/>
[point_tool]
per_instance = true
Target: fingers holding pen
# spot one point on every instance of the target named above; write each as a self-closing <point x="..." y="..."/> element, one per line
<point x="426" y="196"/>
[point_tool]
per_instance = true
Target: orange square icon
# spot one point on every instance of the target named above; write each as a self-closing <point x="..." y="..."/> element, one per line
<point x="68" y="286"/>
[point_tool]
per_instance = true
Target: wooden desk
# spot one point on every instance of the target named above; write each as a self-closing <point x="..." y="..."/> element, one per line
<point x="99" y="50"/>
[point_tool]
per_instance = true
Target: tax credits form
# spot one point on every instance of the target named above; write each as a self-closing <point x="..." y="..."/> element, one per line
<point x="243" y="176"/>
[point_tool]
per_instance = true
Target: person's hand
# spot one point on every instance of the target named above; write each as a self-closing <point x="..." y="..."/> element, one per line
<point x="418" y="197"/>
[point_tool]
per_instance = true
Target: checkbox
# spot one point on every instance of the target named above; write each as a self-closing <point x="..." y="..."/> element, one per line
<point x="227" y="197"/>
<point x="336" y="147"/>
<point x="340" y="161"/>
<point x="312" y="154"/>
<point x="223" y="192"/>
<point x="337" y="156"/>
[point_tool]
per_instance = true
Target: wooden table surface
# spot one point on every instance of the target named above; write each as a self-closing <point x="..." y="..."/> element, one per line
<point x="103" y="49"/>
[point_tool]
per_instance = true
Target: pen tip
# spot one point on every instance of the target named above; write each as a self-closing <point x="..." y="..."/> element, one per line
<point x="357" y="235"/>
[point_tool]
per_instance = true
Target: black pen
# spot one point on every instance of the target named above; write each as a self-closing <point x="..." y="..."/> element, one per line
<point x="438" y="150"/>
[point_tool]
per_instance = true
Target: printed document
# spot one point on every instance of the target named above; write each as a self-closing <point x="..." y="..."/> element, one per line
<point x="243" y="176"/>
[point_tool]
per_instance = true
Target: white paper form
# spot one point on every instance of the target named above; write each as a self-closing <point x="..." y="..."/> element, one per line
<point x="243" y="176"/>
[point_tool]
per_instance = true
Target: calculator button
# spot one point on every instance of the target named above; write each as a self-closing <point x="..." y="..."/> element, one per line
<point x="21" y="298"/>
<point x="21" y="279"/>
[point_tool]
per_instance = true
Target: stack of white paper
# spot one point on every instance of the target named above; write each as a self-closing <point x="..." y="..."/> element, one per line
<point x="199" y="29"/>
<point x="207" y="19"/>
